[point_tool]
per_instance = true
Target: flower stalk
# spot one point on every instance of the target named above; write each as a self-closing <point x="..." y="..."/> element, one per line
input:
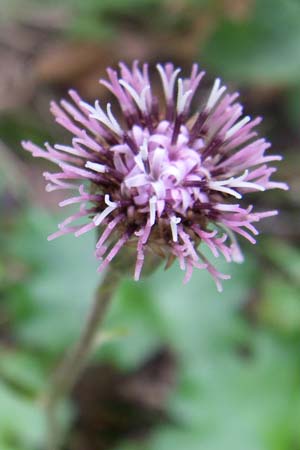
<point x="76" y="360"/>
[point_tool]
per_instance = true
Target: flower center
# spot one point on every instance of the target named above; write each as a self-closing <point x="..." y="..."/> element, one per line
<point x="161" y="172"/>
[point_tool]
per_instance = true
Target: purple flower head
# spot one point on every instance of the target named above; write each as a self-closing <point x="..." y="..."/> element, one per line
<point x="160" y="177"/>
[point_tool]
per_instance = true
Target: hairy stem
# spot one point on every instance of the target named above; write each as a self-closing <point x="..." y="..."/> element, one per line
<point x="75" y="361"/>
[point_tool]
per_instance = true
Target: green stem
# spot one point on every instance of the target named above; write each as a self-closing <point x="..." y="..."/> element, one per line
<point x="76" y="360"/>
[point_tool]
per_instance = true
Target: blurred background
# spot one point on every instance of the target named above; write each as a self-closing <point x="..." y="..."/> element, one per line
<point x="182" y="367"/>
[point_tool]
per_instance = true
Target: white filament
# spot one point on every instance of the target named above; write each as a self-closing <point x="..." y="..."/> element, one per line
<point x="67" y="149"/>
<point x="182" y="97"/>
<point x="227" y="185"/>
<point x="142" y="156"/>
<point x="215" y="94"/>
<point x="174" y="221"/>
<point x="112" y="119"/>
<point x="168" y="85"/>
<point x="96" y="167"/>
<point x="237" y="127"/>
<point x="152" y="206"/>
<point x="110" y="207"/>
<point x="219" y="186"/>
<point x="140" y="99"/>
<point x="144" y="150"/>
<point x="98" y="114"/>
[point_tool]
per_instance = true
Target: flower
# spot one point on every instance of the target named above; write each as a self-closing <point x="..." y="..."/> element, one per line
<point x="161" y="178"/>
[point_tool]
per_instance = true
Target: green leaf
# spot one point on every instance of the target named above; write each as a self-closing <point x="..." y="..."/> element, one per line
<point x="279" y="306"/>
<point x="61" y="285"/>
<point x="21" y="421"/>
<point x="264" y="49"/>
<point x="223" y="399"/>
<point x="161" y="310"/>
<point x="286" y="257"/>
<point x="21" y="371"/>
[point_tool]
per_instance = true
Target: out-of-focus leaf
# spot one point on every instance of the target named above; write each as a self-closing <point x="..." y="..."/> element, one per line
<point x="232" y="403"/>
<point x="280" y="305"/>
<point x="292" y="106"/>
<point x="21" y="421"/>
<point x="21" y="371"/>
<point x="161" y="309"/>
<point x="13" y="128"/>
<point x="284" y="256"/>
<point x="225" y="398"/>
<point x="264" y="49"/>
<point x="134" y="311"/>
<point x="62" y="285"/>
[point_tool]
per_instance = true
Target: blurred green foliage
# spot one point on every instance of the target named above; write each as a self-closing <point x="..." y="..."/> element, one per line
<point x="263" y="49"/>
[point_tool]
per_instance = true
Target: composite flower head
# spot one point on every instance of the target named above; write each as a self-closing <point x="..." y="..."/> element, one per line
<point x="161" y="172"/>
